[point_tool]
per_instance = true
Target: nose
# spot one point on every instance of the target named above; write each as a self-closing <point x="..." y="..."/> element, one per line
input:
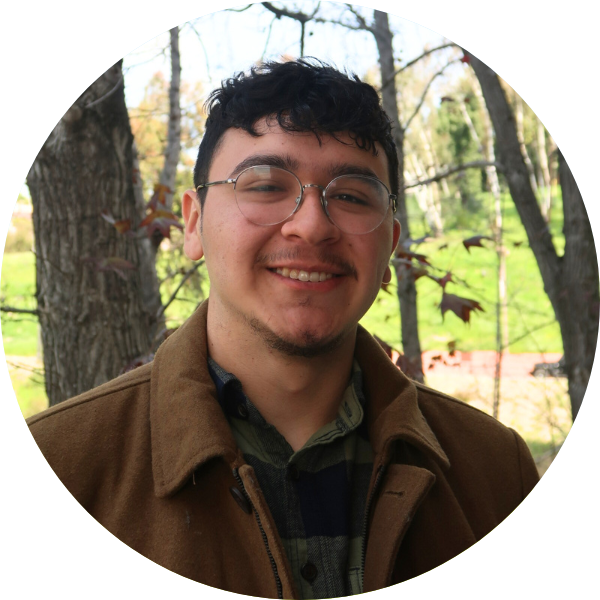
<point x="310" y="221"/>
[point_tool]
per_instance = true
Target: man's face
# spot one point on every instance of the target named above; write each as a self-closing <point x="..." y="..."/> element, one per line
<point x="247" y="294"/>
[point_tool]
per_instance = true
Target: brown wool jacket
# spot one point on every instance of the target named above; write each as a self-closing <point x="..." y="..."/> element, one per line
<point x="150" y="455"/>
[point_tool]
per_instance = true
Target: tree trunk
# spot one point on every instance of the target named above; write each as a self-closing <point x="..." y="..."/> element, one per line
<point x="168" y="174"/>
<point x="407" y="292"/>
<point x="579" y="295"/>
<point x="545" y="171"/>
<point x="571" y="281"/>
<point x="521" y="135"/>
<point x="96" y="314"/>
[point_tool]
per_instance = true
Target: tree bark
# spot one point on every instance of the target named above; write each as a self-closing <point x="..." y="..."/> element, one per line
<point x="571" y="281"/>
<point x="545" y="171"/>
<point x="173" y="149"/>
<point x="93" y="321"/>
<point x="579" y="299"/>
<point x="407" y="292"/>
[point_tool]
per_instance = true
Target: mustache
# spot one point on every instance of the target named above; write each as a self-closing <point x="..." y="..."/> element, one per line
<point x="323" y="257"/>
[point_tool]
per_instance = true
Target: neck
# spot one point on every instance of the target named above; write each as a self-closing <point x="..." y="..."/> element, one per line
<point x="295" y="394"/>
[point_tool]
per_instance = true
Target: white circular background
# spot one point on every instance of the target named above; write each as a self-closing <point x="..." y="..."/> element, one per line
<point x="51" y="51"/>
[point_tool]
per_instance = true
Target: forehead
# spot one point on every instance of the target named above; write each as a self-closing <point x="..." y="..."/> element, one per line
<point x="300" y="152"/>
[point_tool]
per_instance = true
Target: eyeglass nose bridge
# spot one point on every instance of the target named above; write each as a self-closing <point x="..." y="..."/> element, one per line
<point x="300" y="198"/>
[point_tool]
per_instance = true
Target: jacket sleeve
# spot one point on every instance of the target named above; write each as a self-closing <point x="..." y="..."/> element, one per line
<point x="527" y="466"/>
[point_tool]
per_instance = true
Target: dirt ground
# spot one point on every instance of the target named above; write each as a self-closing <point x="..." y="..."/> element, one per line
<point x="538" y="409"/>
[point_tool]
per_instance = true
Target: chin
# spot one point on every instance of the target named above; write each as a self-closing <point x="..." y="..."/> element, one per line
<point x="306" y="343"/>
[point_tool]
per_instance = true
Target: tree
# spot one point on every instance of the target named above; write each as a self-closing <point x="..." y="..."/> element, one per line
<point x="571" y="280"/>
<point x="97" y="291"/>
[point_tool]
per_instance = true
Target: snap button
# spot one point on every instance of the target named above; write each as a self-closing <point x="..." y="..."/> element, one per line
<point x="242" y="410"/>
<point x="294" y="472"/>
<point x="241" y="500"/>
<point x="309" y="572"/>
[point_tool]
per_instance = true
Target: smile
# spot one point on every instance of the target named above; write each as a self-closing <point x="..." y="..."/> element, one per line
<point x="312" y="276"/>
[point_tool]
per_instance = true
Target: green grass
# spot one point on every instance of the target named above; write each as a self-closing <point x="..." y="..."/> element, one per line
<point x="30" y="393"/>
<point x="17" y="285"/>
<point x="532" y="326"/>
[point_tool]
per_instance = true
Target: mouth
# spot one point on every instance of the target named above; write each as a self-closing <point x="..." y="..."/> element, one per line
<point x="307" y="276"/>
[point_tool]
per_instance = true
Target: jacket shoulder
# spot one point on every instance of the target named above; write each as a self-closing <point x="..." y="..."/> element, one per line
<point x="96" y="433"/>
<point x="471" y="437"/>
<point x="122" y="388"/>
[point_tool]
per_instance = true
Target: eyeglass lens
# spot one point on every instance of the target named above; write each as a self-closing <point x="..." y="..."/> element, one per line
<point x="269" y="195"/>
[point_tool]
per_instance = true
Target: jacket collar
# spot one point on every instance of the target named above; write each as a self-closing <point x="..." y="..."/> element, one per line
<point x="188" y="427"/>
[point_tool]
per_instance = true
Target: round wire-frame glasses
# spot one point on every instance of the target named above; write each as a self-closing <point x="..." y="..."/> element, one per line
<point x="268" y="195"/>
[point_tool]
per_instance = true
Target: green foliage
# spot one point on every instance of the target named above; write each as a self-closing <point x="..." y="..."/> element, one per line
<point x="19" y="331"/>
<point x="532" y="326"/>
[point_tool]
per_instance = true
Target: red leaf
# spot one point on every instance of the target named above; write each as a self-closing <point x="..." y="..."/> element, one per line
<point x="447" y="99"/>
<point x="447" y="278"/>
<point x="388" y="349"/>
<point x="384" y="287"/>
<point x="112" y="263"/>
<point x="416" y="273"/>
<point x="465" y="59"/>
<point x="461" y="307"/>
<point x="122" y="226"/>
<point x="408" y="367"/>
<point x="408" y="256"/>
<point x="137" y="362"/>
<point x="162" y="221"/>
<point x="159" y="197"/>
<point x="475" y="241"/>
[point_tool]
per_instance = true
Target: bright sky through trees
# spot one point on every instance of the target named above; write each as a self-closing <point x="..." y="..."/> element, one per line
<point x="233" y="41"/>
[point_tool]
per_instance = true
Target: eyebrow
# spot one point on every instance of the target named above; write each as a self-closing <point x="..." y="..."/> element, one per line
<point x="351" y="169"/>
<point x="285" y="161"/>
<point x="270" y="160"/>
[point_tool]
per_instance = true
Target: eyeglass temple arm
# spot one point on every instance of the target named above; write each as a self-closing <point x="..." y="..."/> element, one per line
<point x="394" y="200"/>
<point x="205" y="185"/>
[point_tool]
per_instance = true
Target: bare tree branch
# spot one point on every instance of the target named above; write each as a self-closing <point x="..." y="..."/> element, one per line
<point x="26" y="311"/>
<point x="424" y="94"/>
<point x="282" y="12"/>
<point x="188" y="274"/>
<point x="203" y="50"/>
<point x="117" y="85"/>
<point x="262" y="56"/>
<point x="477" y="164"/>
<point x="362" y="24"/>
<point x="415" y="60"/>
<point x="240" y="9"/>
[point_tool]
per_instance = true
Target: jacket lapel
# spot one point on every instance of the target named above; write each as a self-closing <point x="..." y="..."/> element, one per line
<point x="187" y="424"/>
<point x="402" y="491"/>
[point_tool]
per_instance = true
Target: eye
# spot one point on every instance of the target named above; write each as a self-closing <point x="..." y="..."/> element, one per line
<point x="350" y="198"/>
<point x="265" y="188"/>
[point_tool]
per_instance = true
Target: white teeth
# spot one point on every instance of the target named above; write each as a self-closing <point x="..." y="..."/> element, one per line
<point x="313" y="276"/>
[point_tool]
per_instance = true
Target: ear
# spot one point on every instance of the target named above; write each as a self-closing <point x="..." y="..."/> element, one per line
<point x="396" y="235"/>
<point x="192" y="217"/>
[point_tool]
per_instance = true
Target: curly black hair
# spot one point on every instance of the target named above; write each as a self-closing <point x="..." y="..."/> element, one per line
<point x="302" y="95"/>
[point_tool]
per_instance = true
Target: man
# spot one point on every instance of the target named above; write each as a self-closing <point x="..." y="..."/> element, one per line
<point x="272" y="448"/>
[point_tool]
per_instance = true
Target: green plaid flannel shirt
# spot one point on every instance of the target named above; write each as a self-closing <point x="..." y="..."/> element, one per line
<point x="317" y="495"/>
